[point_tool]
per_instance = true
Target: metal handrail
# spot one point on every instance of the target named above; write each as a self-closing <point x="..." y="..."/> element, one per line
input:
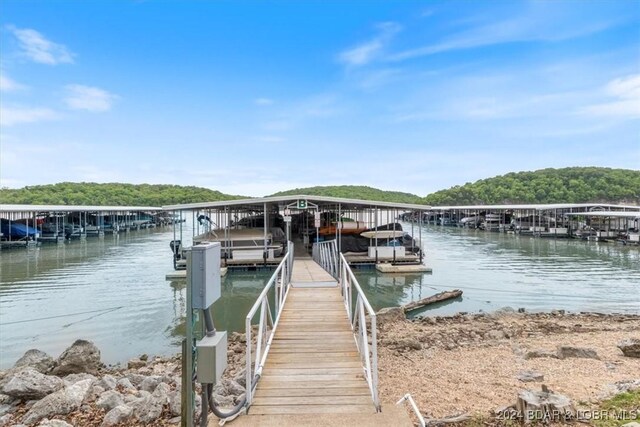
<point x="357" y="318"/>
<point x="326" y="254"/>
<point x="279" y="282"/>
<point x="408" y="398"/>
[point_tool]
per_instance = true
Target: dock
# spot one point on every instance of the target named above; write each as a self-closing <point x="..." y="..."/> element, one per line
<point x="318" y="364"/>
<point x="313" y="365"/>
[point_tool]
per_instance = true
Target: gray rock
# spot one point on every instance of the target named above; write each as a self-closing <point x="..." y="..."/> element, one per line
<point x="61" y="402"/>
<point x="82" y="356"/>
<point x="495" y="334"/>
<point x="175" y="402"/>
<point x="530" y="376"/>
<point x="149" y="384"/>
<point x="136" y="363"/>
<point x="5" y="420"/>
<point x="228" y="387"/>
<point x="565" y="351"/>
<point x="160" y="395"/>
<point x="126" y="384"/>
<point x="71" y="379"/>
<point x="390" y="314"/>
<point x="54" y="423"/>
<point x="504" y="311"/>
<point x="631" y="424"/>
<point x="96" y="391"/>
<point x="536" y="354"/>
<point x="224" y="401"/>
<point x="241" y="377"/>
<point x="29" y="383"/>
<point x="109" y="400"/>
<point x="108" y="382"/>
<point x="4" y="398"/>
<point x="6" y="409"/>
<point x="533" y="403"/>
<point x="117" y="415"/>
<point x="409" y="343"/>
<point x="630" y="347"/>
<point x="136" y="379"/>
<point x="36" y="359"/>
<point x="146" y="408"/>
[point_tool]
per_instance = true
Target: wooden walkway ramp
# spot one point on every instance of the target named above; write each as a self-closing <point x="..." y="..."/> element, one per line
<point x="313" y="366"/>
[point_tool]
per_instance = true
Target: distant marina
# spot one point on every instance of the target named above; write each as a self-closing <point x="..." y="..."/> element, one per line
<point x="29" y="225"/>
<point x="587" y="221"/>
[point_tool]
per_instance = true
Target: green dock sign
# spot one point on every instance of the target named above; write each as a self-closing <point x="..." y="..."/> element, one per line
<point x="302" y="204"/>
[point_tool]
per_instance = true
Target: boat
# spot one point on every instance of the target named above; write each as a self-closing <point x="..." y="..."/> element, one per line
<point x="383" y="234"/>
<point x="346" y="227"/>
<point x="16" y="230"/>
<point x="246" y="243"/>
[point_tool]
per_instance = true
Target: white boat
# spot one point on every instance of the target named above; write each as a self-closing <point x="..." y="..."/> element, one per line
<point x="383" y="234"/>
<point x="246" y="242"/>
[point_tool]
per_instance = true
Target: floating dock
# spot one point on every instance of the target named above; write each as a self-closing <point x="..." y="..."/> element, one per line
<point x="408" y="268"/>
<point x="182" y="274"/>
<point x="253" y="232"/>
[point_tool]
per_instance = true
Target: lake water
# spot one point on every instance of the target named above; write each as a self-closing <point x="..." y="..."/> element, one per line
<point x="113" y="290"/>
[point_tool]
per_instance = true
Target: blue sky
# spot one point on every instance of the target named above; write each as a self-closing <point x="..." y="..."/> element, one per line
<point x="255" y="97"/>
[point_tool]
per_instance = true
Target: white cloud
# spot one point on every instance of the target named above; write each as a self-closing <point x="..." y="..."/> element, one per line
<point x="368" y="51"/>
<point x="623" y="102"/>
<point x="263" y="101"/>
<point x="39" y="49"/>
<point x="540" y="22"/>
<point x="625" y="87"/>
<point x="10" y="116"/>
<point x="80" y="97"/>
<point x="7" y="84"/>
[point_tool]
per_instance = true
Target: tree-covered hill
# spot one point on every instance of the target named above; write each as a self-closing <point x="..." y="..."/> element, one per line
<point x="353" y="192"/>
<point x="111" y="194"/>
<point x="566" y="185"/>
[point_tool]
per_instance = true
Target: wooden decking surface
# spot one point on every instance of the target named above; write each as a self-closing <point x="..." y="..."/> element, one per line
<point x="313" y="366"/>
<point x="308" y="272"/>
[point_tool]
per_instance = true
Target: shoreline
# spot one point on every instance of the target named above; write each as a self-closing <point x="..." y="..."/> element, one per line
<point x="451" y="365"/>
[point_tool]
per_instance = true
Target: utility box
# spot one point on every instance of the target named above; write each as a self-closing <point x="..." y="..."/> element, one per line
<point x="212" y="357"/>
<point x="204" y="275"/>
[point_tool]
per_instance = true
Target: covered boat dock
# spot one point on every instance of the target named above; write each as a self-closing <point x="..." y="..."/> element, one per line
<point x="27" y="225"/>
<point x="255" y="232"/>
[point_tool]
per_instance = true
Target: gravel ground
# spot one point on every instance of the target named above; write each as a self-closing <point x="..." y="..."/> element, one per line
<point x="469" y="363"/>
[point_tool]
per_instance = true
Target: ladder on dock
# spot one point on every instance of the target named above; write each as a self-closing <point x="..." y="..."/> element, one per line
<point x="315" y="349"/>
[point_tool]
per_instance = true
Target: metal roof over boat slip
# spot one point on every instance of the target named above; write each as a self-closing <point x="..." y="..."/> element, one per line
<point x="549" y="206"/>
<point x="607" y="214"/>
<point x="75" y="208"/>
<point x="319" y="200"/>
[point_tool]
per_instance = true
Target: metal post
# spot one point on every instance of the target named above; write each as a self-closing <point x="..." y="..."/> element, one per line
<point x="265" y="255"/>
<point x="187" y="372"/>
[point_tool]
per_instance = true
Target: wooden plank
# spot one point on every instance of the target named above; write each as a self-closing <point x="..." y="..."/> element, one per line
<point x="312" y="409"/>
<point x="313" y="364"/>
<point x="314" y="370"/>
<point x="312" y="400"/>
<point x="302" y="350"/>
<point x="270" y="384"/>
<point x="320" y="377"/>
<point x="335" y="391"/>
